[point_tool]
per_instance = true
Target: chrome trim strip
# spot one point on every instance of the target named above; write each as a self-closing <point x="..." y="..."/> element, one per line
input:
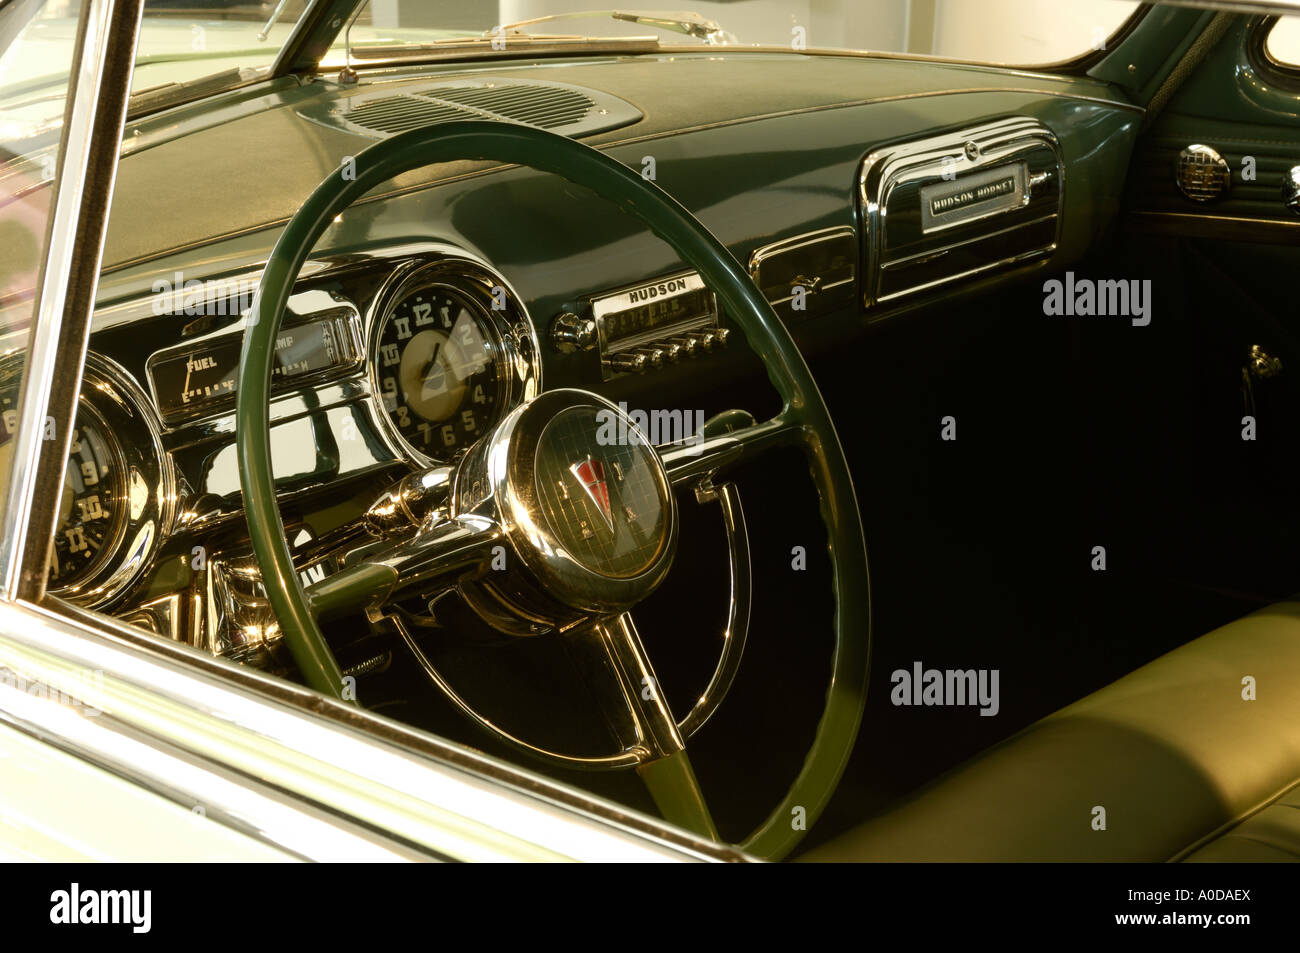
<point x="976" y="147"/>
<point x="922" y="256"/>
<point x="239" y="802"/>
<point x="1226" y="227"/>
<point x="1022" y="258"/>
<point x="324" y="755"/>
<point x="795" y="242"/>
<point x="61" y="315"/>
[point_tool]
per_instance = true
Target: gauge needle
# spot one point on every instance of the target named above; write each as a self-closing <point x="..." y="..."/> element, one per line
<point x="428" y="389"/>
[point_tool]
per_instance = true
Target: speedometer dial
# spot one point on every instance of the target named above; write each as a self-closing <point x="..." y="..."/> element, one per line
<point x="92" y="505"/>
<point x="91" y="510"/>
<point x="118" y="498"/>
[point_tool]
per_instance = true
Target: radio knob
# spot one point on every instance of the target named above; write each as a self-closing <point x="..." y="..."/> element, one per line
<point x="632" y="362"/>
<point x="720" y="336"/>
<point x="570" y="333"/>
<point x="656" y="357"/>
<point x="673" y="351"/>
<point x="687" y="346"/>
<point x="704" y="340"/>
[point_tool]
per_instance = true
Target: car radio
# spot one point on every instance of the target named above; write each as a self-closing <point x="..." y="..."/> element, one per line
<point x="644" y="327"/>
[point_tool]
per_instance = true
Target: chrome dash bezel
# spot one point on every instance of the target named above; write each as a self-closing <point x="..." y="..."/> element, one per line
<point x="516" y="346"/>
<point x="962" y="151"/>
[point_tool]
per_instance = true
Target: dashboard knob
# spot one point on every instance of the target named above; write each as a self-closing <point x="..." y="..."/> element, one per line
<point x="633" y="362"/>
<point x="673" y="351"/>
<point x="704" y="340"/>
<point x="570" y="333"/>
<point x="687" y="345"/>
<point x="720" y="336"/>
<point x="656" y="357"/>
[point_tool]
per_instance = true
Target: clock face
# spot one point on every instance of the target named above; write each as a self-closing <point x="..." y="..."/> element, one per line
<point x="436" y="364"/>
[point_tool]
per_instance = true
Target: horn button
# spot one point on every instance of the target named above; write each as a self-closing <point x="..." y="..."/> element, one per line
<point x="584" y="501"/>
<point x="603" y="501"/>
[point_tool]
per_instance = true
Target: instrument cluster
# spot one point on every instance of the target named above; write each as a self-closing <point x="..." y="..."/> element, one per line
<point x="404" y="357"/>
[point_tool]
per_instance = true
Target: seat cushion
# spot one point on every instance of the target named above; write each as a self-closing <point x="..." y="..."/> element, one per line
<point x="1182" y="763"/>
<point x="1269" y="835"/>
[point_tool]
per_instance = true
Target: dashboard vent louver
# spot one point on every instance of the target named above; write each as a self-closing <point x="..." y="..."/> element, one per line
<point x="535" y="105"/>
<point x="394" y="114"/>
<point x="570" y="110"/>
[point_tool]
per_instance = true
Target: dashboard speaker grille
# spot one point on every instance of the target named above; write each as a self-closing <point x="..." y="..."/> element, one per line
<point x="570" y="110"/>
<point x="543" y="106"/>
<point x="394" y="114"/>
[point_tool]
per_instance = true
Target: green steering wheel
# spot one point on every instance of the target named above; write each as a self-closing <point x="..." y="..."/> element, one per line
<point x="803" y="422"/>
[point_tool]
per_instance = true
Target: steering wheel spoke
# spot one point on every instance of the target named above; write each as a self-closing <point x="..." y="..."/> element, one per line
<point x="619" y="671"/>
<point x="435" y="559"/>
<point x="703" y="462"/>
<point x="613" y="659"/>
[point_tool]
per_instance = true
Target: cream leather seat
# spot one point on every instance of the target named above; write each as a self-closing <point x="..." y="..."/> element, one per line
<point x="1183" y="765"/>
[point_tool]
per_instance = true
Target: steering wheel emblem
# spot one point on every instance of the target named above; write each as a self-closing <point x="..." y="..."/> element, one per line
<point x="591" y="474"/>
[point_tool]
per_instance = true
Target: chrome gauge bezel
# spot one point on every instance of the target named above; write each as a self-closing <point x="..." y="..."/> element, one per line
<point x="133" y="437"/>
<point x="115" y="398"/>
<point x="513" y="340"/>
<point x="498" y="479"/>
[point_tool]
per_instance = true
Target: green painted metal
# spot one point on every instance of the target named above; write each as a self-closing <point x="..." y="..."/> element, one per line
<point x="1140" y="62"/>
<point x="764" y="333"/>
<point x="1235" y="85"/>
<point x="690" y="100"/>
<point x="676" y="792"/>
<point x="354" y="588"/>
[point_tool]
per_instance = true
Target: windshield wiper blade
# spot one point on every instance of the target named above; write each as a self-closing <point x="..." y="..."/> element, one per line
<point x="173" y="94"/>
<point x="691" y="24"/>
<point x="534" y="42"/>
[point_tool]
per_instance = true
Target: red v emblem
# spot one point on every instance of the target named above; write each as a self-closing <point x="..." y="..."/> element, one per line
<point x="591" y="474"/>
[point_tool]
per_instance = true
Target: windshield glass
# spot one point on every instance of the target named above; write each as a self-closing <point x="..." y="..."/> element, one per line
<point x="1007" y="32"/>
<point x="180" y="41"/>
<point x="26" y="187"/>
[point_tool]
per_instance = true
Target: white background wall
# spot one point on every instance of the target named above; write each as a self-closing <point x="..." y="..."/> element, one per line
<point x="1019" y="32"/>
<point x="1024" y="31"/>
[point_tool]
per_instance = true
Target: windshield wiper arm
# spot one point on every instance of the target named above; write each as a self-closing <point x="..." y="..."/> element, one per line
<point x="275" y="15"/>
<point x="691" y="24"/>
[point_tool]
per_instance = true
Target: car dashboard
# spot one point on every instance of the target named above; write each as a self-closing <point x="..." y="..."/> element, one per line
<point x="448" y="297"/>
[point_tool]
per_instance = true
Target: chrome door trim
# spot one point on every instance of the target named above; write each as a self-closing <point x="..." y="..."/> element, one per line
<point x="94" y="117"/>
<point x="396" y="788"/>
